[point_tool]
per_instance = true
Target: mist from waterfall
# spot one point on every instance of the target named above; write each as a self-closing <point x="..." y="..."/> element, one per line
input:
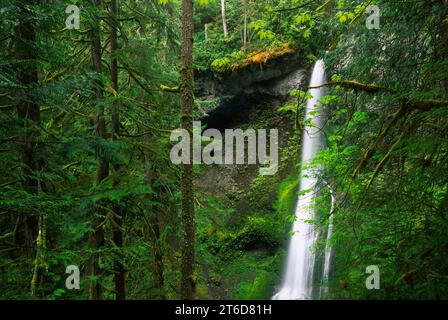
<point x="298" y="278"/>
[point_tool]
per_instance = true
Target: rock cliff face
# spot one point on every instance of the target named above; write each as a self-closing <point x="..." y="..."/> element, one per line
<point x="232" y="91"/>
<point x="250" y="79"/>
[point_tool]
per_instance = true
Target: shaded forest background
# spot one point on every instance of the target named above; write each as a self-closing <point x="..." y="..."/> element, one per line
<point x="85" y="120"/>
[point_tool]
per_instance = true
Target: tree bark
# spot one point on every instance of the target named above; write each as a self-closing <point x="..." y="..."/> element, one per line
<point x="96" y="240"/>
<point x="153" y="230"/>
<point x="31" y="239"/>
<point x="245" y="31"/>
<point x="28" y="113"/>
<point x="119" y="272"/>
<point x="40" y="264"/>
<point x="187" y="101"/>
<point x="443" y="42"/>
<point x="224" y="17"/>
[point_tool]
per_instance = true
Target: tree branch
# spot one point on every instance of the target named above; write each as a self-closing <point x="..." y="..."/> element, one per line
<point x="355" y="85"/>
<point x="175" y="89"/>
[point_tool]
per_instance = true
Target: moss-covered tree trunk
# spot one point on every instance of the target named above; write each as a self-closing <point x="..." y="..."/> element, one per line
<point x="119" y="271"/>
<point x="28" y="114"/>
<point x="32" y="233"/>
<point x="96" y="240"/>
<point x="188" y="215"/>
<point x="153" y="229"/>
<point x="443" y="43"/>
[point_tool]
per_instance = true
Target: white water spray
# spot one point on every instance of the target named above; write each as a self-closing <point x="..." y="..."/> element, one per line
<point x="297" y="281"/>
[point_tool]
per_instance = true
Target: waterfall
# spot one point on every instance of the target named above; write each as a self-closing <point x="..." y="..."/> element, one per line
<point x="328" y="249"/>
<point x="298" y="278"/>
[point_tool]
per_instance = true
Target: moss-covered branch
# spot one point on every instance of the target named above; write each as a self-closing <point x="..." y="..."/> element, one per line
<point x="393" y="118"/>
<point x="355" y="85"/>
<point x="409" y="103"/>
<point x="175" y="89"/>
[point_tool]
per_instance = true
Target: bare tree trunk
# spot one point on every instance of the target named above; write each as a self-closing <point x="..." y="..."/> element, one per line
<point x="206" y="31"/>
<point x="187" y="99"/>
<point x="96" y="240"/>
<point x="246" y="13"/>
<point x="245" y="32"/>
<point x="119" y="272"/>
<point x="224" y="17"/>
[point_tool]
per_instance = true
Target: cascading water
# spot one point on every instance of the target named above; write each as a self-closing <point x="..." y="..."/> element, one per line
<point x="297" y="281"/>
<point x="328" y="248"/>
